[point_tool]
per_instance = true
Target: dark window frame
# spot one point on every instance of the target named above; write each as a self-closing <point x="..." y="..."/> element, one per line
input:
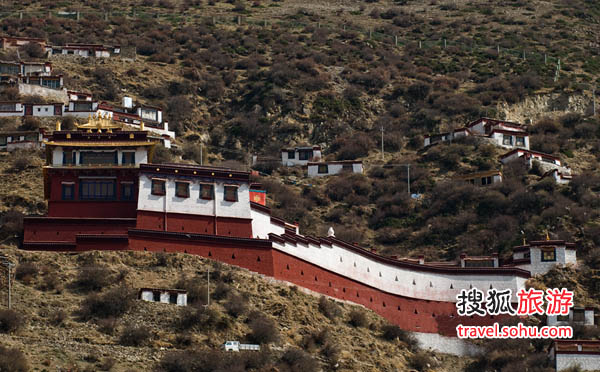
<point x="225" y="193"/>
<point x="520" y="141"/>
<point x="128" y="154"/>
<point x="185" y="193"/>
<point x="292" y="153"/>
<point x="322" y="167"/>
<point x="543" y="253"/>
<point x="98" y="189"/>
<point x="305" y="154"/>
<point x="210" y="192"/>
<point x="129" y="186"/>
<point x="163" y="188"/>
<point x="66" y="186"/>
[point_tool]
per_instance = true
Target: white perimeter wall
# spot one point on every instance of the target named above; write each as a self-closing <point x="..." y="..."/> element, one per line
<point x="313" y="170"/>
<point x="262" y="226"/>
<point x="448" y="345"/>
<point x="587" y="362"/>
<point x="398" y="280"/>
<point x="194" y="204"/>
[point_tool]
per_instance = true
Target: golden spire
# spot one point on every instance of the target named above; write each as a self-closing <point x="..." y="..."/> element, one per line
<point x="58" y="125"/>
<point x="141" y="125"/>
<point x="547" y="235"/>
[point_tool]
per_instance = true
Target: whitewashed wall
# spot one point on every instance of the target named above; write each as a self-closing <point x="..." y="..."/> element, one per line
<point x="194" y="204"/>
<point x="397" y="280"/>
<point x="587" y="362"/>
<point x="552" y="320"/>
<point x="148" y="295"/>
<point x="141" y="155"/>
<point x="262" y="226"/>
<point x="313" y="169"/>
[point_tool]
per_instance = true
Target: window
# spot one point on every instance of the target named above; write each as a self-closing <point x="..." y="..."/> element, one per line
<point x="579" y="315"/>
<point x="507" y="139"/>
<point x="97" y="189"/>
<point x="347" y="168"/>
<point x="156" y="296"/>
<point x="69" y="157"/>
<point x="158" y="187"/>
<point x="128" y="158"/>
<point x="521" y="141"/>
<point x="291" y="154"/>
<point x="82" y="106"/>
<point x="206" y="191"/>
<point x="127" y="191"/>
<point x="3" y="141"/>
<point x="486" y="180"/>
<point x="173" y="298"/>
<point x="479" y="263"/>
<point x="94" y="157"/>
<point x="305" y="155"/>
<point x="323" y="168"/>
<point x="8" y="107"/>
<point x="231" y="193"/>
<point x="68" y="191"/>
<point x="548" y="255"/>
<point x="182" y="189"/>
<point x="562" y="318"/>
<point x="51" y="83"/>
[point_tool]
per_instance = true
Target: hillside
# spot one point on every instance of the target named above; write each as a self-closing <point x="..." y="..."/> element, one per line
<point x="55" y="335"/>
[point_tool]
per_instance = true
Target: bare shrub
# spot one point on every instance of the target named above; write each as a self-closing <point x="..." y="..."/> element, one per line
<point x="263" y="329"/>
<point x="22" y="160"/>
<point x="422" y="361"/>
<point x="26" y="272"/>
<point x="221" y="291"/>
<point x="329" y="308"/>
<point x="93" y="278"/>
<point x="201" y="319"/>
<point x="11" y="223"/>
<point x="135" y="336"/>
<point x="58" y="317"/>
<point x="236" y="305"/>
<point x="30" y="123"/>
<point x="391" y="332"/>
<point x="10" y="321"/>
<point x="358" y="318"/>
<point x="107" y="325"/>
<point x="107" y="364"/>
<point x="113" y="303"/>
<point x="196" y="290"/>
<point x="296" y="360"/>
<point x="13" y="360"/>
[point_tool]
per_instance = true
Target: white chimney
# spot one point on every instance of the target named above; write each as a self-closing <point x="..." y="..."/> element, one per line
<point x="330" y="233"/>
<point x="127" y="102"/>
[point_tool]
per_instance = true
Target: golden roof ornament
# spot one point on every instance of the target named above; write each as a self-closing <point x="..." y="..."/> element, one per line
<point x="58" y="125"/>
<point x="100" y="122"/>
<point x="547" y="235"/>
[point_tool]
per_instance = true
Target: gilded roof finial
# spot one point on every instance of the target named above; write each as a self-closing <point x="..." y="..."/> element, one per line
<point x="547" y="235"/>
<point x="57" y="125"/>
<point x="141" y="125"/>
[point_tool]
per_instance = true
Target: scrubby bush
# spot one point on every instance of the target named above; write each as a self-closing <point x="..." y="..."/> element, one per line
<point x="236" y="305"/>
<point x="58" y="317"/>
<point x="263" y="329"/>
<point x="10" y="321"/>
<point x="392" y="332"/>
<point x="358" y="318"/>
<point x="93" y="278"/>
<point x="135" y="336"/>
<point x="202" y="319"/>
<point x="329" y="308"/>
<point x="12" y="360"/>
<point x="107" y="325"/>
<point x="22" y="160"/>
<point x="422" y="361"/>
<point x="296" y="360"/>
<point x="26" y="272"/>
<point x="112" y="303"/>
<point x="11" y="223"/>
<point x="196" y="290"/>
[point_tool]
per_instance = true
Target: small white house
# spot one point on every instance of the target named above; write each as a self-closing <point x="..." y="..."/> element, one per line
<point x="560" y="177"/>
<point x="481" y="178"/>
<point x="577" y="316"/>
<point x="167" y="296"/>
<point x="43" y="109"/>
<point x="10" y="141"/>
<point x="538" y="257"/>
<point x="330" y="168"/>
<point x="584" y="354"/>
<point x="12" y="109"/>
<point x="300" y="155"/>
<point x="80" y="108"/>
<point x="509" y="138"/>
<point x="547" y="161"/>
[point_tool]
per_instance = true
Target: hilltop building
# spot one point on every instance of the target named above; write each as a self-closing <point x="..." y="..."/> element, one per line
<point x="481" y="178"/>
<point x="568" y="354"/>
<point x="300" y="155"/>
<point x="14" y="140"/>
<point x="498" y="132"/>
<point x="103" y="193"/>
<point x="329" y="168"/>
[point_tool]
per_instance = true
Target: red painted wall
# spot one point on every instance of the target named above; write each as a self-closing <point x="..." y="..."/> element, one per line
<point x="61" y="229"/>
<point x="85" y="208"/>
<point x="195" y="224"/>
<point x="259" y="260"/>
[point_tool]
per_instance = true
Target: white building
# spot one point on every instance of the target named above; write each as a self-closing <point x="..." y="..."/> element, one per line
<point x="84" y="50"/>
<point x="540" y="256"/>
<point x="167" y="296"/>
<point x="12" y="109"/>
<point x="44" y="109"/>
<point x="498" y="132"/>
<point x="300" y="155"/>
<point x="577" y="316"/>
<point x="481" y="178"/>
<point x="81" y="108"/>
<point x="584" y="354"/>
<point x="330" y="168"/>
<point x="10" y="141"/>
<point x="559" y="176"/>
<point x="546" y="161"/>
